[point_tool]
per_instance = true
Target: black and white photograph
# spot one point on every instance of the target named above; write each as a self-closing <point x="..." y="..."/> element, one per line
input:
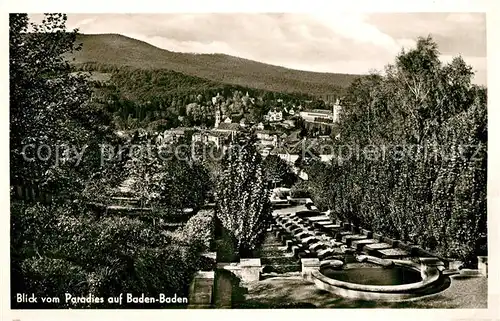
<point x="246" y="160"/>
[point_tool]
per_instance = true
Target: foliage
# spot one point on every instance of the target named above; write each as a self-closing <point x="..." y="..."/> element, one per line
<point x="319" y="184"/>
<point x="51" y="111"/>
<point x="137" y="97"/>
<point x="61" y="246"/>
<point x="102" y="49"/>
<point x="413" y="164"/>
<point x="277" y="170"/>
<point x="83" y="255"/>
<point x="301" y="189"/>
<point x="242" y="195"/>
<point x="198" y="229"/>
<point x="166" y="179"/>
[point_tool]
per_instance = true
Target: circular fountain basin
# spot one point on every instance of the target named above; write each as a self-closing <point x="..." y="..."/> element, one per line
<point x="369" y="281"/>
<point x="371" y="274"/>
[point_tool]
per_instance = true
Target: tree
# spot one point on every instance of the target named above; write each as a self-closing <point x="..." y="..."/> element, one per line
<point x="51" y="110"/>
<point x="63" y="246"/>
<point x="278" y="171"/>
<point x="414" y="159"/>
<point x="166" y="180"/>
<point x="242" y="197"/>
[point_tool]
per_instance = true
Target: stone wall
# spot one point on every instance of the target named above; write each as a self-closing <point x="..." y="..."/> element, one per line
<point x="201" y="290"/>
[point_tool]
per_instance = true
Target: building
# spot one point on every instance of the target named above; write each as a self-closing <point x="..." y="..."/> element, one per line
<point x="217" y="117"/>
<point x="274" y="115"/>
<point x="224" y="134"/>
<point x="219" y="138"/>
<point x="265" y="151"/>
<point x="313" y="115"/>
<point x="217" y="99"/>
<point x="170" y="136"/>
<point x="198" y="137"/>
<point x="267" y="138"/>
<point x="233" y="128"/>
<point x="285" y="155"/>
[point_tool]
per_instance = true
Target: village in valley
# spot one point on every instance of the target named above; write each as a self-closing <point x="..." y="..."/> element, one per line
<point x="277" y="132"/>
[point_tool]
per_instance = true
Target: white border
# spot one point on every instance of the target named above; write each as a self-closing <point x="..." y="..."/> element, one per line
<point x="93" y="6"/>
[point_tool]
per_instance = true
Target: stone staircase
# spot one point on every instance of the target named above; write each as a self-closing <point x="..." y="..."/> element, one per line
<point x="275" y="258"/>
<point x="309" y="234"/>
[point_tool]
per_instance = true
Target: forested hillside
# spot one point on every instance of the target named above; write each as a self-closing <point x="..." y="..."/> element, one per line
<point x="138" y="97"/>
<point x="117" y="50"/>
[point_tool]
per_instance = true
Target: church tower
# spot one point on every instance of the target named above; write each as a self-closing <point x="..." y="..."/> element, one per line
<point x="216" y="101"/>
<point x="336" y="110"/>
<point x="217" y="115"/>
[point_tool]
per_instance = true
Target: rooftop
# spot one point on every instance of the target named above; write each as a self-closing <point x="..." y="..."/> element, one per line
<point x="264" y="131"/>
<point x="228" y="126"/>
<point x="319" y="111"/>
<point x="217" y="133"/>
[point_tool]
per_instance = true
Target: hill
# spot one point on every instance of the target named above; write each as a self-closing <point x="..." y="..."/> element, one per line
<point x="120" y="51"/>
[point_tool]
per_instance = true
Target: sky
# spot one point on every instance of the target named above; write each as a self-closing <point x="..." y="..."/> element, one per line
<point x="322" y="41"/>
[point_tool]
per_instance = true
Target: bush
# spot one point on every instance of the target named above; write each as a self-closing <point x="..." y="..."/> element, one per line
<point x="300" y="190"/>
<point x="83" y="255"/>
<point x="53" y="277"/>
<point x="198" y="229"/>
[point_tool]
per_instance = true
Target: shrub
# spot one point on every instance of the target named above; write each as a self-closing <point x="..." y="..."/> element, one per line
<point x="300" y="190"/>
<point x="84" y="255"/>
<point x="198" y="229"/>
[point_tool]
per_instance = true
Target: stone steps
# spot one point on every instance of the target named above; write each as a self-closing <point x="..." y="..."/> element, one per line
<point x="347" y="239"/>
<point x="393" y="253"/>
<point x="372" y="249"/>
<point x="282" y="268"/>
<point x="352" y="238"/>
<point x="360" y="244"/>
<point x="279" y="260"/>
<point x="275" y="256"/>
<point x="340" y="235"/>
<point x="332" y="227"/>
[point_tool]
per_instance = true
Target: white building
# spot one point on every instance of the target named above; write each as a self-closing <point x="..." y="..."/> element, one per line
<point x="289" y="158"/>
<point x="170" y="135"/>
<point x="274" y="115"/>
<point x="220" y="136"/>
<point x="217" y="99"/>
<point x="265" y="151"/>
<point x="267" y="138"/>
<point x="312" y="115"/>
